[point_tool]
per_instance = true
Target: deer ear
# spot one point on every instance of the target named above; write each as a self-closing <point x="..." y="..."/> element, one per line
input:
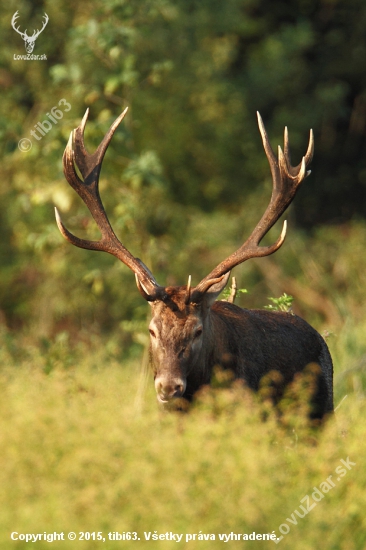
<point x="214" y="290"/>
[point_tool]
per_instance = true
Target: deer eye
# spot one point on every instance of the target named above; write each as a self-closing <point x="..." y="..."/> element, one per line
<point x="152" y="333"/>
<point x="198" y="333"/>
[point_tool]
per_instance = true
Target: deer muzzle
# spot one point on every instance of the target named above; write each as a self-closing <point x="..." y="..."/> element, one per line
<point x="169" y="388"/>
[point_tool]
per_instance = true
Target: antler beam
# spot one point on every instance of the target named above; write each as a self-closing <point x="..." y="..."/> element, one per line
<point x="286" y="181"/>
<point x="89" y="167"/>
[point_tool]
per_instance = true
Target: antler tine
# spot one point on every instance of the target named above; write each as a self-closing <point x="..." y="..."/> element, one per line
<point x="188" y="290"/>
<point x="286" y="180"/>
<point x="308" y="155"/>
<point x="268" y="148"/>
<point x="89" y="166"/>
<point x="310" y="152"/>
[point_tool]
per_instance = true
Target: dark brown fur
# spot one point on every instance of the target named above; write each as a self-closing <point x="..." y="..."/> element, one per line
<point x="251" y="343"/>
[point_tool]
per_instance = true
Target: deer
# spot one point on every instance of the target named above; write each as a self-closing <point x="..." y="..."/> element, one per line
<point x="29" y="41"/>
<point x="191" y="331"/>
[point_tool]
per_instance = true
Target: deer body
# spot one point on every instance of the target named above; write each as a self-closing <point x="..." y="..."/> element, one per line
<point x="191" y="332"/>
<point x="195" y="338"/>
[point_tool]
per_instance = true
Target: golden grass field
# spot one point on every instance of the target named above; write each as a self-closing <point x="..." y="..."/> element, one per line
<point x="85" y="449"/>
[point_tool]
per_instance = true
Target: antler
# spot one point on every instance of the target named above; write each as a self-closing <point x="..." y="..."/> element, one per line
<point x="13" y="21"/>
<point x="37" y="33"/>
<point x="286" y="181"/>
<point x="24" y="34"/>
<point x="89" y="167"/>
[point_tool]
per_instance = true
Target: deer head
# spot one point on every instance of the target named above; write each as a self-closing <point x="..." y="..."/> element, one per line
<point x="181" y="331"/>
<point x="29" y="40"/>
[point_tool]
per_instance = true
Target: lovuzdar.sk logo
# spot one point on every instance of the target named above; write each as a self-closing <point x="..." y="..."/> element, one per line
<point x="29" y="41"/>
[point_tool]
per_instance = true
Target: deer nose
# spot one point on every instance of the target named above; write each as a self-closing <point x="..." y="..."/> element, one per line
<point x="169" y="389"/>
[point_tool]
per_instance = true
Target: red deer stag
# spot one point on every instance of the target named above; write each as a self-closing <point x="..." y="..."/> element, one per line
<point x="191" y="332"/>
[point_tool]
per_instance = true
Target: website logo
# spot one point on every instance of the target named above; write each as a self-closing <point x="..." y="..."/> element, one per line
<point x="29" y="41"/>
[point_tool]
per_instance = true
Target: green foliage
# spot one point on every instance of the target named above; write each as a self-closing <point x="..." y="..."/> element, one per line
<point x="226" y="292"/>
<point x="192" y="75"/>
<point x="283" y="303"/>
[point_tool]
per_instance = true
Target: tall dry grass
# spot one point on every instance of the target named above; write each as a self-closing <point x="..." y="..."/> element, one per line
<point x="78" y="453"/>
